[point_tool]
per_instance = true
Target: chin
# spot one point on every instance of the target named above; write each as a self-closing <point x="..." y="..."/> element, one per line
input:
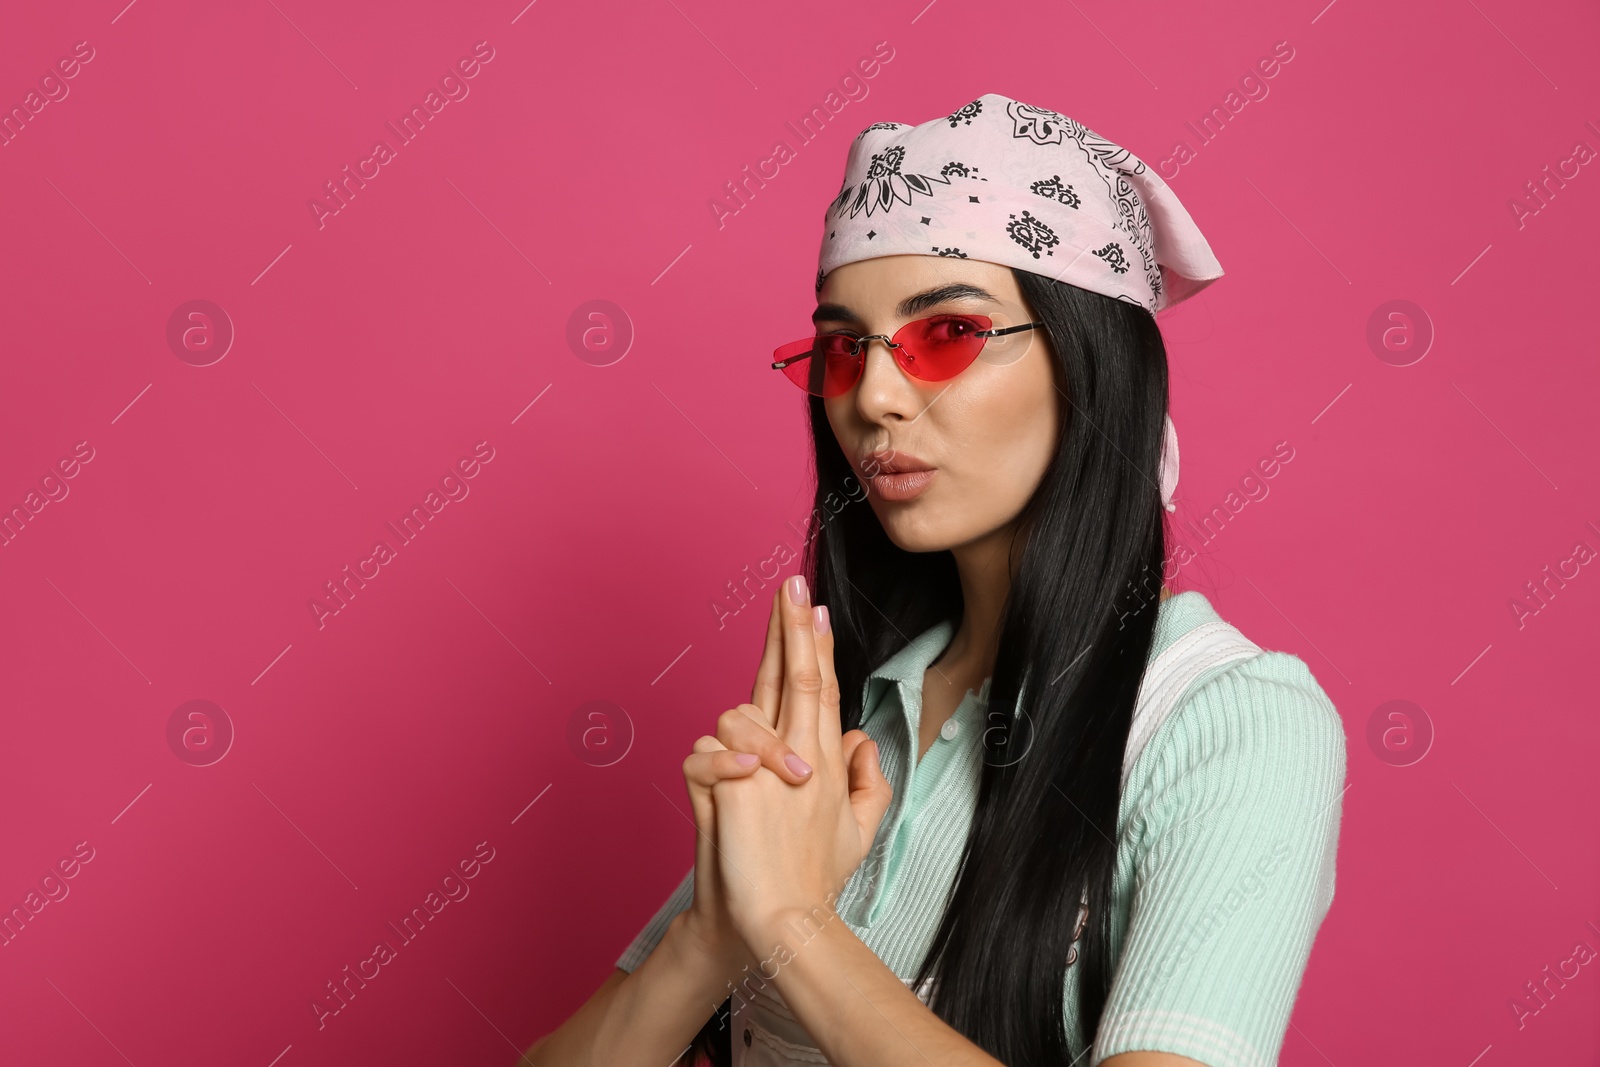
<point x="916" y="526"/>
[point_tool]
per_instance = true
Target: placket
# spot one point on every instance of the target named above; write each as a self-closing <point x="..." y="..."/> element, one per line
<point x="922" y="780"/>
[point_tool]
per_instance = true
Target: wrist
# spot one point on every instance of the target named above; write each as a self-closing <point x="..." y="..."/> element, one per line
<point x="787" y="927"/>
<point x="705" y="951"/>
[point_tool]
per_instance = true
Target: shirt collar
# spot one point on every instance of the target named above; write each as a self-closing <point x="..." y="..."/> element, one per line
<point x="907" y="665"/>
<point x="1174" y="616"/>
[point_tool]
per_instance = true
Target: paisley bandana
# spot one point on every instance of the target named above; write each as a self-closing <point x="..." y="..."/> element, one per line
<point x="1026" y="187"/>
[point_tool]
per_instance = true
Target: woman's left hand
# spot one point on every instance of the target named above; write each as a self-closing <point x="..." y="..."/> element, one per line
<point x="789" y="849"/>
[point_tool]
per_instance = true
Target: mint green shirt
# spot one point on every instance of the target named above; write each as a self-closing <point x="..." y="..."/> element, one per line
<point x="1226" y="838"/>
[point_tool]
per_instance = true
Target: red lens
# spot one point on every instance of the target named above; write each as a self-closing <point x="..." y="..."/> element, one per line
<point x="931" y="350"/>
<point x="827" y="368"/>
<point x="941" y="347"/>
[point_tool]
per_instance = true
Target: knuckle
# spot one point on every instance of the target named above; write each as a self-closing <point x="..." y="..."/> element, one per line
<point x="707" y="743"/>
<point x="757" y="715"/>
<point x="806" y="681"/>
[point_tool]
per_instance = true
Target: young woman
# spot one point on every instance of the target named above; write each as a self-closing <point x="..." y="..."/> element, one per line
<point x="997" y="796"/>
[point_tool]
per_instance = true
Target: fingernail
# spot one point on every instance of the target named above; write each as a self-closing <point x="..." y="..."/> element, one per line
<point x="820" y="618"/>
<point x="797" y="765"/>
<point x="746" y="759"/>
<point x="797" y="590"/>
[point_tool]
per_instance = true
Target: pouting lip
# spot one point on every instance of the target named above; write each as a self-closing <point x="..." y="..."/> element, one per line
<point x="890" y="461"/>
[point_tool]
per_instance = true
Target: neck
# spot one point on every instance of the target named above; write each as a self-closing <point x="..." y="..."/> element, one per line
<point x="986" y="571"/>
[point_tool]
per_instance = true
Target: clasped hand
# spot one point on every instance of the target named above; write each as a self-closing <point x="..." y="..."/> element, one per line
<point x="786" y="805"/>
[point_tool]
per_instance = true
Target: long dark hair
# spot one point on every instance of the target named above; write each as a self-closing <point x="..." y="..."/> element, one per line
<point x="1077" y="623"/>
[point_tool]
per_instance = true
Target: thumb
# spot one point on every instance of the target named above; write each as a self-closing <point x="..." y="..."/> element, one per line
<point x="870" y="791"/>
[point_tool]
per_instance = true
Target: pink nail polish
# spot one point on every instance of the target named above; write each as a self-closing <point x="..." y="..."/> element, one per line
<point x="820" y="619"/>
<point x="746" y="759"/>
<point x="797" y="765"/>
<point x="797" y="591"/>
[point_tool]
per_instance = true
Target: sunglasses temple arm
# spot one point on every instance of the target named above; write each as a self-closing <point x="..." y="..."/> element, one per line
<point x="1009" y="329"/>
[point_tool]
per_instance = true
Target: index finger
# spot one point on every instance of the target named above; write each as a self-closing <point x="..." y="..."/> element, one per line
<point x="828" y="715"/>
<point x="768" y="690"/>
<point x="802" y="677"/>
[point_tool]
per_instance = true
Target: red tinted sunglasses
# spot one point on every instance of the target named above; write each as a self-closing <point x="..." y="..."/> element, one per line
<point x="931" y="350"/>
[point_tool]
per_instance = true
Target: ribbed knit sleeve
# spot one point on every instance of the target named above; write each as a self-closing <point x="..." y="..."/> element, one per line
<point x="656" y="928"/>
<point x="1234" y="809"/>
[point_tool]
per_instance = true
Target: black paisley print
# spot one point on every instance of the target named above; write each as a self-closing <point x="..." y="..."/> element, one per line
<point x="1032" y="234"/>
<point x="1043" y="126"/>
<point x="1112" y="254"/>
<point x="966" y="114"/>
<point x="884" y="184"/>
<point x="1053" y="189"/>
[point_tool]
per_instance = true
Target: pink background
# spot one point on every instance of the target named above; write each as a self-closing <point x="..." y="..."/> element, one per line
<point x="373" y="753"/>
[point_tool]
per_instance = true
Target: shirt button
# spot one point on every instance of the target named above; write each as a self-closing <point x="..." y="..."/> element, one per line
<point x="949" y="730"/>
<point x="747" y="1037"/>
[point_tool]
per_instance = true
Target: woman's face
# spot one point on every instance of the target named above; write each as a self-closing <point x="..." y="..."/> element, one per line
<point x="987" y="434"/>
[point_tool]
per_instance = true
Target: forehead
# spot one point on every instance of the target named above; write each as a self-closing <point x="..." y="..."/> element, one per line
<point x="885" y="286"/>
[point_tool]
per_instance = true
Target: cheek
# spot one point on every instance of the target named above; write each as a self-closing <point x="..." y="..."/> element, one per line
<point x="835" y="409"/>
<point x="839" y="422"/>
<point x="1013" y="429"/>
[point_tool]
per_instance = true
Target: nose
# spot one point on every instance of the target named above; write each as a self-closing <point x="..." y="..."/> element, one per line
<point x="885" y="392"/>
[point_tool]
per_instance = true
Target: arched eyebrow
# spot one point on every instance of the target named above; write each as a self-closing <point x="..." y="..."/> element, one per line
<point x="911" y="305"/>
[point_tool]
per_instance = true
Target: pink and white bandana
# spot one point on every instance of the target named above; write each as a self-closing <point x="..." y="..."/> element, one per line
<point x="1026" y="187"/>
